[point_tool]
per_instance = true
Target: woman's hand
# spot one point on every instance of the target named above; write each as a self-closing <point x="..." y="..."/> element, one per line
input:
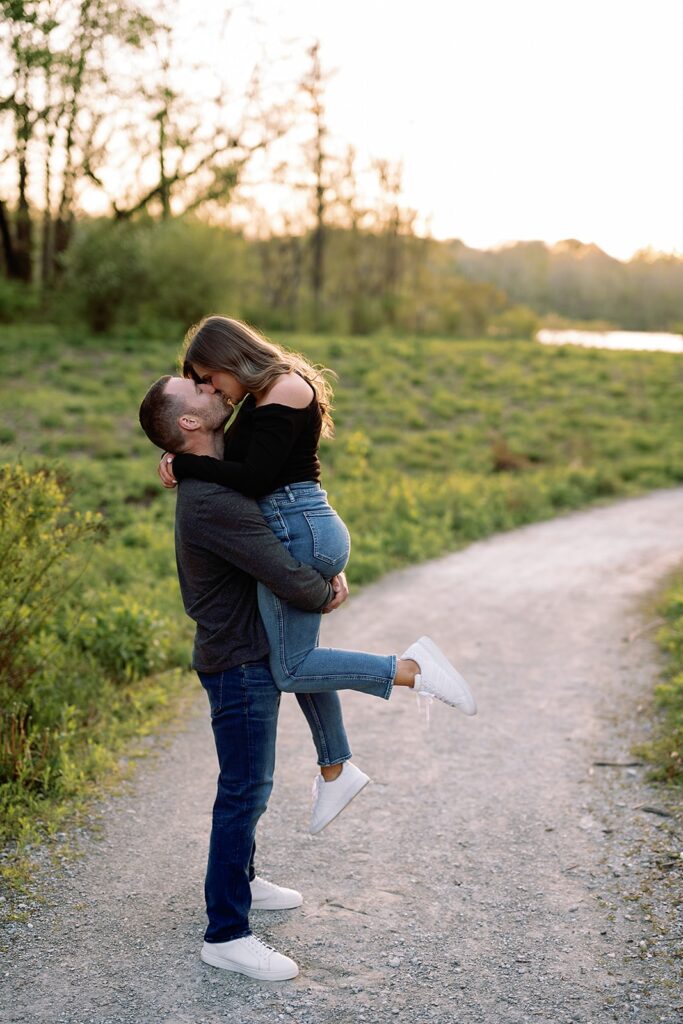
<point x="165" y="470"/>
<point x="341" y="592"/>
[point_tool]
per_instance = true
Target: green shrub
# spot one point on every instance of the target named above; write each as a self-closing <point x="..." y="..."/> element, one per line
<point x="69" y="654"/>
<point x="516" y="322"/>
<point x="17" y="300"/>
<point x="106" y="278"/>
<point x="193" y="271"/>
<point x="122" y="637"/>
<point x="38" y="535"/>
<point x="149" y="274"/>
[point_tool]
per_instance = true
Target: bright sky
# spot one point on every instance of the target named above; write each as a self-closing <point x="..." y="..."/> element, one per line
<point x="514" y="119"/>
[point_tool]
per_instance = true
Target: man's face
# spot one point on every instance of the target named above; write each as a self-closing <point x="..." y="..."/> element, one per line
<point x="202" y="401"/>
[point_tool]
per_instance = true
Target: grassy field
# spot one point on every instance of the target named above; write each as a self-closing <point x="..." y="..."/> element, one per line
<point x="438" y="443"/>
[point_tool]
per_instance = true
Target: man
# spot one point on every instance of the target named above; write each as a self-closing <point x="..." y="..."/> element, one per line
<point x="223" y="547"/>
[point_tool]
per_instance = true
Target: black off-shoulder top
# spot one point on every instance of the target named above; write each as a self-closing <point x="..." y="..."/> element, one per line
<point x="266" y="447"/>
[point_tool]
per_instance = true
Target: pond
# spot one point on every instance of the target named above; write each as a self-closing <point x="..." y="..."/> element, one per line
<point x="643" y="341"/>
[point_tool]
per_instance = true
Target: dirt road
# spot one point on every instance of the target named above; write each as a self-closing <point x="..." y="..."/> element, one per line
<point x="492" y="874"/>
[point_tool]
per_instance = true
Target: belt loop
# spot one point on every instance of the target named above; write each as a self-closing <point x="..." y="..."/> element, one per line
<point x="288" y="492"/>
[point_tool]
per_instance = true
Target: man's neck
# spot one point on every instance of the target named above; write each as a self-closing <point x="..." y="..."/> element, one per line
<point x="207" y="444"/>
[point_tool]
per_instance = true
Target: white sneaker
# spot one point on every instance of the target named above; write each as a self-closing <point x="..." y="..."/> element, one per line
<point x="330" y="798"/>
<point x="268" y="896"/>
<point x="250" y="956"/>
<point x="438" y="677"/>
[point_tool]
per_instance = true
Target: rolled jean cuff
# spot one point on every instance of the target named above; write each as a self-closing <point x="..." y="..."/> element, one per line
<point x="390" y="684"/>
<point x="337" y="760"/>
<point x="229" y="938"/>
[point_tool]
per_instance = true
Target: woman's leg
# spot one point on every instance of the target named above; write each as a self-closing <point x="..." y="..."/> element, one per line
<point x="299" y="666"/>
<point x="322" y="711"/>
<point x="314" y="534"/>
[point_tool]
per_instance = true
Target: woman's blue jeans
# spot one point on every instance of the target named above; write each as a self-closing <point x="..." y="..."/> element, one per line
<point x="313" y="533"/>
<point x="244" y="705"/>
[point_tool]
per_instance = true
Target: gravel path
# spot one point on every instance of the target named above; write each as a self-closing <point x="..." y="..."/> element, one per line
<point x="493" y="874"/>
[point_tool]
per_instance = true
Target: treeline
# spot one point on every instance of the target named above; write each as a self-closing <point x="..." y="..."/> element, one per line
<point x="146" y="273"/>
<point x="582" y="282"/>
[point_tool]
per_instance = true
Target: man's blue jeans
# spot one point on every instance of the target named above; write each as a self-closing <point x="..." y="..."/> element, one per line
<point x="244" y="707"/>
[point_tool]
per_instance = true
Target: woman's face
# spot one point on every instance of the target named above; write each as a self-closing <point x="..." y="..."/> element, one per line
<point x="225" y="383"/>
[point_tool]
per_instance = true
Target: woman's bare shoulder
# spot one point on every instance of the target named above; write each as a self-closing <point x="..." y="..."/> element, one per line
<point x="289" y="389"/>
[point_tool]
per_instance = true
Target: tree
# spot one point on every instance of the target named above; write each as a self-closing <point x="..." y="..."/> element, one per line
<point x="55" y="52"/>
<point x="95" y="98"/>
<point x="313" y="87"/>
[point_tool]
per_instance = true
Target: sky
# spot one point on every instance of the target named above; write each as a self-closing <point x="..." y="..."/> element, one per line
<point x="513" y="119"/>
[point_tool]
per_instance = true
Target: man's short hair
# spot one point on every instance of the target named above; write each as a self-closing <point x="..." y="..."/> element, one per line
<point x="159" y="414"/>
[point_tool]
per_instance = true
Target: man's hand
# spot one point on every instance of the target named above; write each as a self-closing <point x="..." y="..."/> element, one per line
<point x="341" y="592"/>
<point x="165" y="470"/>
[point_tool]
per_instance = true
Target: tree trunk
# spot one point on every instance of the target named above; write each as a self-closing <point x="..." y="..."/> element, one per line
<point x="8" y="250"/>
<point x="23" y="225"/>
<point x="164" y="187"/>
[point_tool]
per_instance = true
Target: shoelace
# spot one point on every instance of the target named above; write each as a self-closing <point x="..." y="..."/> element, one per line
<point x="424" y="704"/>
<point x="260" y="944"/>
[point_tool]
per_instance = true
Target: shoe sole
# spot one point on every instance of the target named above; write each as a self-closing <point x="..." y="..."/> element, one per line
<point x="318" y="829"/>
<point x="471" y="706"/>
<point x="250" y="972"/>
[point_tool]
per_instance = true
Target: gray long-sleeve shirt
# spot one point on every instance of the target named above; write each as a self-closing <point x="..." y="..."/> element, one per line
<point x="223" y="547"/>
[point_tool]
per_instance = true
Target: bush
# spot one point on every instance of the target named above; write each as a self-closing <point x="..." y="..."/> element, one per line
<point x="68" y="655"/>
<point x="106" y="276"/>
<point x="122" y="638"/>
<point x="17" y="300"/>
<point x="37" y="536"/>
<point x="42" y="543"/>
<point x="142" y="272"/>
<point x="191" y="271"/>
<point x="517" y="322"/>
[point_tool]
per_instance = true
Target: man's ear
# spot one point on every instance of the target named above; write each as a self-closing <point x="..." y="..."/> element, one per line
<point x="188" y="422"/>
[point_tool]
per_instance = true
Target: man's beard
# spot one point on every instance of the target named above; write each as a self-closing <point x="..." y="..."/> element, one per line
<point x="224" y="410"/>
<point x="217" y="414"/>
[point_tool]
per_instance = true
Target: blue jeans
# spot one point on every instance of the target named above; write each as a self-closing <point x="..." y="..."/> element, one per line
<point x="313" y="533"/>
<point x="244" y="705"/>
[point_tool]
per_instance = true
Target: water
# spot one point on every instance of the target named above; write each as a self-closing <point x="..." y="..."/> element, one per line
<point x="641" y="341"/>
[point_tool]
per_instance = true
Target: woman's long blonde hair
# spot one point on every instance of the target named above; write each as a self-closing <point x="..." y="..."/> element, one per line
<point x="221" y="343"/>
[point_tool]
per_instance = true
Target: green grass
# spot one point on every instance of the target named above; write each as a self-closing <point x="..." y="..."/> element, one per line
<point x="438" y="443"/>
<point x="666" y="752"/>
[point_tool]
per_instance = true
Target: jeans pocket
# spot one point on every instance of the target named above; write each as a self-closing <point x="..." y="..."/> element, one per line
<point x="331" y="541"/>
<point x="213" y="684"/>
<point x="276" y="524"/>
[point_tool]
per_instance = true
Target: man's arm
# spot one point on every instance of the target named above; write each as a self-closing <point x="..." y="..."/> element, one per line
<point x="231" y="526"/>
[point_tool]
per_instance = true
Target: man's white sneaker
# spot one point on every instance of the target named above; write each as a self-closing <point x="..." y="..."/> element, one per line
<point x="268" y="896"/>
<point x="330" y="798"/>
<point x="250" y="956"/>
<point x="438" y="677"/>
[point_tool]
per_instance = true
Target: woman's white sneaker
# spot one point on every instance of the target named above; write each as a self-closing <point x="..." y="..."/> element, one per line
<point x="330" y="798"/>
<point x="250" y="956"/>
<point x="438" y="677"/>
